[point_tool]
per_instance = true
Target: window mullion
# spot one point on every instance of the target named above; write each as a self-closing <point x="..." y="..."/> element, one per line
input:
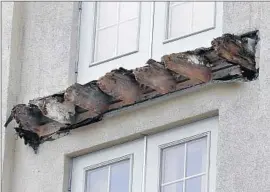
<point x="96" y="24"/>
<point x="208" y="159"/>
<point x="109" y="179"/>
<point x="185" y="167"/>
<point x="117" y="32"/>
<point x="192" y="17"/>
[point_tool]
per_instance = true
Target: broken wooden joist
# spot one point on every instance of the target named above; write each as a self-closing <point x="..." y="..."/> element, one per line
<point x="230" y="58"/>
<point x="121" y="84"/>
<point x="155" y="76"/>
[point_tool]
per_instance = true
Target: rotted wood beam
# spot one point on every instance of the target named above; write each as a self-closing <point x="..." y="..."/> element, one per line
<point x="121" y="85"/>
<point x="189" y="65"/>
<point x="155" y="76"/>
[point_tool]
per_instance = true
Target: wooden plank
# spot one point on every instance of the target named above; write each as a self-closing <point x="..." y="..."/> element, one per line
<point x="188" y="66"/>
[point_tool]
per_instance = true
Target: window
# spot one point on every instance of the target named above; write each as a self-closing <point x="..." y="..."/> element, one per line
<point x="116" y="30"/>
<point x="182" y="159"/>
<point x="113" y="177"/>
<point x="127" y="34"/>
<point x="187" y="18"/>
<point x="182" y="26"/>
<point x="184" y="167"/>
<point x="115" y="169"/>
<point x="113" y="35"/>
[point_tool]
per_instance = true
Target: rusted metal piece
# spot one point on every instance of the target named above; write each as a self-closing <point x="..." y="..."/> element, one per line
<point x="189" y="65"/>
<point x="236" y="50"/>
<point x="88" y="97"/>
<point x="156" y="77"/>
<point x="56" y="108"/>
<point x="121" y="84"/>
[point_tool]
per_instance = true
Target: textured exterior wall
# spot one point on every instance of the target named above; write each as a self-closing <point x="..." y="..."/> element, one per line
<point x="38" y="59"/>
<point x="243" y="108"/>
<point x="10" y="83"/>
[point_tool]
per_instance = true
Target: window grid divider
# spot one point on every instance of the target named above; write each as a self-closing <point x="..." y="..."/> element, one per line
<point x="96" y="23"/>
<point x="109" y="178"/>
<point x="192" y="18"/>
<point x="117" y="30"/>
<point x="185" y="167"/>
<point x="208" y="144"/>
<point x="115" y="24"/>
<point x="184" y="179"/>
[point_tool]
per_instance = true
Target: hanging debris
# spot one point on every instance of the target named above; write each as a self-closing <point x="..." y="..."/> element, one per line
<point x="230" y="58"/>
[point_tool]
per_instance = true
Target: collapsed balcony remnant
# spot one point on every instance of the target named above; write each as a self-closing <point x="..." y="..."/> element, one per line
<point x="230" y="58"/>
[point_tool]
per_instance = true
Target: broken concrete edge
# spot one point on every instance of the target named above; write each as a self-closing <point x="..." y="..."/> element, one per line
<point x="231" y="58"/>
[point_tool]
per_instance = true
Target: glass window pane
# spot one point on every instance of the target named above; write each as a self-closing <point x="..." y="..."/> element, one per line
<point x="173" y="163"/>
<point x="128" y="10"/>
<point x="107" y="13"/>
<point x="119" y="179"/>
<point x="203" y="15"/>
<point x="196" y="184"/>
<point x="106" y="43"/>
<point x="128" y="32"/>
<point x="196" y="156"/>
<point x="180" y="20"/>
<point x="97" y="180"/>
<point x="176" y="187"/>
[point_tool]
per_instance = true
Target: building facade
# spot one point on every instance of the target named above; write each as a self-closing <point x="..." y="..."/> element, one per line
<point x="221" y="131"/>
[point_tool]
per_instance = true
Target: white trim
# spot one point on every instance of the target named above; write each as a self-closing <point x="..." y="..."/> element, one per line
<point x="183" y="135"/>
<point x="117" y="32"/>
<point x="183" y="179"/>
<point x="109" y="176"/>
<point x="96" y="30"/>
<point x="167" y="19"/>
<point x="152" y="29"/>
<point x="112" y="58"/>
<point x="109" y="164"/>
<point x="179" y="142"/>
<point x="185" y="168"/>
<point x="144" y="163"/>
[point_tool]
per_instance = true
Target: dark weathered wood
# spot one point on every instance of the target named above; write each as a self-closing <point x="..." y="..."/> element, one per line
<point x="56" y="108"/>
<point x="29" y="117"/>
<point x="233" y="71"/>
<point x="156" y="77"/>
<point x="188" y="65"/>
<point x="235" y="50"/>
<point x="88" y="97"/>
<point x="221" y="64"/>
<point x="187" y="84"/>
<point x="44" y="119"/>
<point x="121" y="84"/>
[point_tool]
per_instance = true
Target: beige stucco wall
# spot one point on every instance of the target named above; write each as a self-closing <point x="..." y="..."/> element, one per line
<point x="243" y="108"/>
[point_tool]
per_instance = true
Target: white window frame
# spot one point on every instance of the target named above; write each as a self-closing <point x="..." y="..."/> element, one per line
<point x="155" y="143"/>
<point x="132" y="150"/>
<point x="184" y="141"/>
<point x="148" y="155"/>
<point x="167" y="17"/>
<point x="86" y="70"/>
<point x="110" y="163"/>
<point x="94" y="40"/>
